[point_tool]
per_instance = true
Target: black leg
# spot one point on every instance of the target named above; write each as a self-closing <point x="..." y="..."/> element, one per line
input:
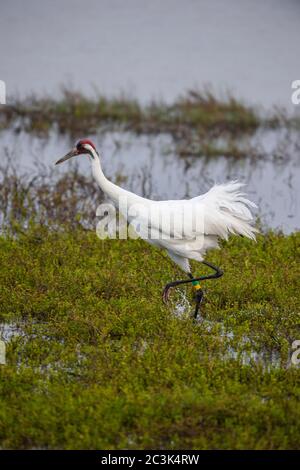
<point x="195" y="280"/>
<point x="199" y="294"/>
<point x="198" y="298"/>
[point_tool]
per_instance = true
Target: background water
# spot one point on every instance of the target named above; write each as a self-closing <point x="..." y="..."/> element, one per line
<point x="160" y="49"/>
<point x="152" y="48"/>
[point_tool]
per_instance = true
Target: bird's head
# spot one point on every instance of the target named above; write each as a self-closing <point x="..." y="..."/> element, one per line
<point x="83" y="146"/>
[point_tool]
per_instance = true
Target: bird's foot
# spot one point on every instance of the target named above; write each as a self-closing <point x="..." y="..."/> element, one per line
<point x="166" y="291"/>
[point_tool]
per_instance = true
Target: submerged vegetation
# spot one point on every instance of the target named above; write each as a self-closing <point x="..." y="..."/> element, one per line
<point x="45" y="199"/>
<point x="196" y="121"/>
<point x="199" y="123"/>
<point x="97" y="361"/>
<point x="75" y="113"/>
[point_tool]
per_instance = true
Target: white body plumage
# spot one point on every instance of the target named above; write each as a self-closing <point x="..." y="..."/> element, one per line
<point x="224" y="210"/>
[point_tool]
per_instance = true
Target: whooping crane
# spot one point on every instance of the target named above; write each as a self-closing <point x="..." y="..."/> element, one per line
<point x="224" y="210"/>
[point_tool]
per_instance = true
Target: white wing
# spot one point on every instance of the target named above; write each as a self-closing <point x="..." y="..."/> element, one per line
<point x="227" y="211"/>
<point x="188" y="228"/>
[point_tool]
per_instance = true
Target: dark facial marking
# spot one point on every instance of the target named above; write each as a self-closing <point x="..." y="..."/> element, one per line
<point x="81" y="149"/>
<point x="79" y="146"/>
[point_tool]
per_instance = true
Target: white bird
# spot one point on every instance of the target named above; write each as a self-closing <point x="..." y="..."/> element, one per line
<point x="186" y="228"/>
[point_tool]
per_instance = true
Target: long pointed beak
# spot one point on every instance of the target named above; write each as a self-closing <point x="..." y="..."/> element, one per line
<point x="71" y="154"/>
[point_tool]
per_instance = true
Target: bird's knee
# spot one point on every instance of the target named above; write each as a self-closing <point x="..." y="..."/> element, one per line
<point x="219" y="273"/>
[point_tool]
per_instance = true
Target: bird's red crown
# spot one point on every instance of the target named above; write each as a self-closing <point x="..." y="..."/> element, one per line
<point x="81" y="142"/>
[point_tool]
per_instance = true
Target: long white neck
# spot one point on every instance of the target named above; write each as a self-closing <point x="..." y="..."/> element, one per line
<point x="110" y="189"/>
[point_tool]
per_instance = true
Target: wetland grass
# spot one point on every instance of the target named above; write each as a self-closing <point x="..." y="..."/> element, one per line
<point x="100" y="362"/>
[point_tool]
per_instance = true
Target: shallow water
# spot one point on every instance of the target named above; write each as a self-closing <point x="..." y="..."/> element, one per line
<point x="245" y="350"/>
<point x="267" y="359"/>
<point x="149" y="166"/>
<point x="152" y="49"/>
<point x="9" y="331"/>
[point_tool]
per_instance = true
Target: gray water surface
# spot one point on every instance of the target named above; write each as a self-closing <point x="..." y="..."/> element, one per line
<point x="152" y="49"/>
